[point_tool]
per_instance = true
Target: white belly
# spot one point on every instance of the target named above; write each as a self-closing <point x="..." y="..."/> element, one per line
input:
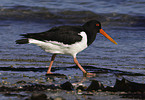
<point x="60" y="48"/>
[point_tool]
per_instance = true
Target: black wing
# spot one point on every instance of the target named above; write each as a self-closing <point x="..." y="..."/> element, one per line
<point x="63" y="34"/>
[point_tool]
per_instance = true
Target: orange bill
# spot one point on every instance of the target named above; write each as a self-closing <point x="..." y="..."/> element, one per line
<point x="107" y="36"/>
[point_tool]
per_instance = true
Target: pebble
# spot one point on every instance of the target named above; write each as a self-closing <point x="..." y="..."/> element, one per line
<point x="59" y="98"/>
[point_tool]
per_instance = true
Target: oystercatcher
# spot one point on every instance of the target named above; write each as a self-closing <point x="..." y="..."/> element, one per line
<point x="68" y="40"/>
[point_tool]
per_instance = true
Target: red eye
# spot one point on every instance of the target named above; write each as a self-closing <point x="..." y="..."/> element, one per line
<point x="97" y="25"/>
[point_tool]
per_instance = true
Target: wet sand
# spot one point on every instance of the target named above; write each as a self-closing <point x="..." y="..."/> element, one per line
<point x="31" y="83"/>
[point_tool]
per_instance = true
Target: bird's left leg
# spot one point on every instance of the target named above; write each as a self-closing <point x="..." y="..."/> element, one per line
<point x="82" y="69"/>
<point x="52" y="60"/>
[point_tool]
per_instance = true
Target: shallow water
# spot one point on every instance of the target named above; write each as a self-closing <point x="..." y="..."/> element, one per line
<point x="128" y="55"/>
<point x="122" y="20"/>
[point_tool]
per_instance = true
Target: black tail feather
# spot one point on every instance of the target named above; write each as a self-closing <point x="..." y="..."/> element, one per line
<point x="22" y="41"/>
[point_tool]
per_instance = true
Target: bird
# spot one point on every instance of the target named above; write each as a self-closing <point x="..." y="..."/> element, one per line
<point x="66" y="39"/>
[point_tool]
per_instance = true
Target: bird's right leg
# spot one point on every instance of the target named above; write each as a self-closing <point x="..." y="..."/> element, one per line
<point x="52" y="60"/>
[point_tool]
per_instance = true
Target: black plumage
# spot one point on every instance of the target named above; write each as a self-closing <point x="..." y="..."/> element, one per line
<point x="63" y="34"/>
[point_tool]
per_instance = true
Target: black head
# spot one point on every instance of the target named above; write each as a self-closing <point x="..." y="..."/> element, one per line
<point x="92" y="26"/>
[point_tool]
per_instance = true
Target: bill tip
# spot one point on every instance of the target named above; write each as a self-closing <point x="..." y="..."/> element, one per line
<point x="115" y="43"/>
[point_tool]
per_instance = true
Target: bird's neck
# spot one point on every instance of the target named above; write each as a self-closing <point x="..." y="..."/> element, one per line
<point x="91" y="36"/>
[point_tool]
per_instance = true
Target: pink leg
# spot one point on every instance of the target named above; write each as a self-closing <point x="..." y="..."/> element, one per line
<point x="82" y="69"/>
<point x="52" y="60"/>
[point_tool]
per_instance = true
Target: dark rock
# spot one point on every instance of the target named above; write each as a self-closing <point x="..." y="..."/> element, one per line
<point x="120" y="85"/>
<point x="134" y="87"/>
<point x="95" y="85"/>
<point x="67" y="86"/>
<point x="126" y="85"/>
<point x="39" y="96"/>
